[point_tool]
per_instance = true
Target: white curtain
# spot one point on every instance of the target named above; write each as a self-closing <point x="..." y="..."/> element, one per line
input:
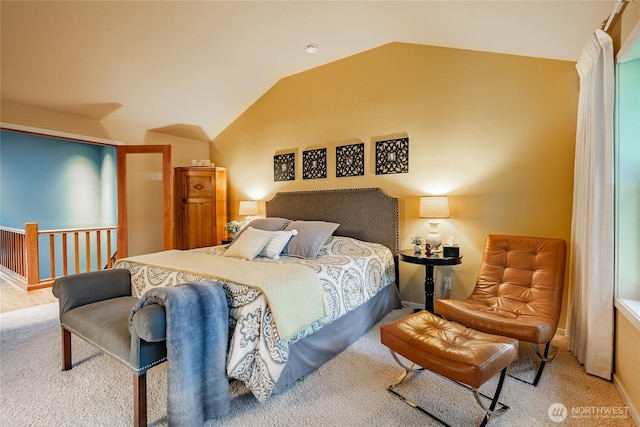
<point x="591" y="312"/>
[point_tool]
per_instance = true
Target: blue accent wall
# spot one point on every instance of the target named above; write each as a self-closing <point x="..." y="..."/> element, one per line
<point x="57" y="183"/>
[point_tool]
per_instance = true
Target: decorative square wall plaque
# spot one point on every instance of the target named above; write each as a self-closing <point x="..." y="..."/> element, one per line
<point x="350" y="160"/>
<point x="392" y="156"/>
<point x="284" y="168"/>
<point x="314" y="164"/>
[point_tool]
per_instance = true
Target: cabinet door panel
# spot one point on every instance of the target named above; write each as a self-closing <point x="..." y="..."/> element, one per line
<point x="199" y="186"/>
<point x="189" y="226"/>
<point x="206" y="236"/>
<point x="198" y="228"/>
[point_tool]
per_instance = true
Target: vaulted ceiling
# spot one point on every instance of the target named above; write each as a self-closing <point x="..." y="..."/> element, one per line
<point x="192" y="67"/>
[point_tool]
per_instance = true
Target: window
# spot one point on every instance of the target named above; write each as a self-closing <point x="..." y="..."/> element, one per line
<point x="627" y="181"/>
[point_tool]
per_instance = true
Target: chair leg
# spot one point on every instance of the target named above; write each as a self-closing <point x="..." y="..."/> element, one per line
<point x="140" y="400"/>
<point x="543" y="361"/>
<point x="139" y="383"/>
<point x="544" y="358"/>
<point x="66" y="349"/>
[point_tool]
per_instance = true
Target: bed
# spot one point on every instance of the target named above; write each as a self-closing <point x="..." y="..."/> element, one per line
<point x="355" y="267"/>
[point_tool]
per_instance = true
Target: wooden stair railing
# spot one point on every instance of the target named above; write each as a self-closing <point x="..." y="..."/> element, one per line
<point x="20" y="252"/>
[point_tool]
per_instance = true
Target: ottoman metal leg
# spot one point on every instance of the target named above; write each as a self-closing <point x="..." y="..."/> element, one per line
<point x="491" y="411"/>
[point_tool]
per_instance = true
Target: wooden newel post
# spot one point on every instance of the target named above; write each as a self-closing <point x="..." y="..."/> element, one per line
<point x="31" y="253"/>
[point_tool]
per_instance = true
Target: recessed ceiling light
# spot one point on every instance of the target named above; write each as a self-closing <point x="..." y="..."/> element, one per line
<point x="311" y="48"/>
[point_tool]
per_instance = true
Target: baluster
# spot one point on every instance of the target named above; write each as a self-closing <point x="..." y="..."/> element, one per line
<point x="52" y="256"/>
<point x="65" y="256"/>
<point x="98" y="251"/>
<point x="87" y="249"/>
<point x="108" y="248"/>
<point x="76" y="251"/>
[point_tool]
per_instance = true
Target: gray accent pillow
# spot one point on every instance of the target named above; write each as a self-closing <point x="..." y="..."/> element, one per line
<point x="266" y="224"/>
<point x="311" y="236"/>
<point x="269" y="224"/>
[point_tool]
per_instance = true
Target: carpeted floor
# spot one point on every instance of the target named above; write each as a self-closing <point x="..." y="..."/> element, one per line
<point x="349" y="390"/>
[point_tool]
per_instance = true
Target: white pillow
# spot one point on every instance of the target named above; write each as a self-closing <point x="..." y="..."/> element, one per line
<point x="278" y="241"/>
<point x="249" y="244"/>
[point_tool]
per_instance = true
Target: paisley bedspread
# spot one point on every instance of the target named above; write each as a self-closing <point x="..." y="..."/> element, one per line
<point x="350" y="271"/>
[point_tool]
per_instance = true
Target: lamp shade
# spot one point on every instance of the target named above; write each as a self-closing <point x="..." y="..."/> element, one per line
<point x="248" y="208"/>
<point x="434" y="207"/>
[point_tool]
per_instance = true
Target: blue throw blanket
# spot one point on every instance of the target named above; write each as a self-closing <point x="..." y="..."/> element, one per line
<point x="197" y="330"/>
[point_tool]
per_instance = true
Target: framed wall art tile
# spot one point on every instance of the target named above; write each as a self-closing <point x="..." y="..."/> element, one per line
<point x="284" y="167"/>
<point x="392" y="156"/>
<point x="350" y="160"/>
<point x="314" y="164"/>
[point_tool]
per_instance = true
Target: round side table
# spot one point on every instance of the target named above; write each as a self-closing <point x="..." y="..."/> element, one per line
<point x="429" y="261"/>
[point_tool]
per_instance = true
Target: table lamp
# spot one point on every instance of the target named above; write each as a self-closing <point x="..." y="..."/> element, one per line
<point x="434" y="207"/>
<point x="249" y="209"/>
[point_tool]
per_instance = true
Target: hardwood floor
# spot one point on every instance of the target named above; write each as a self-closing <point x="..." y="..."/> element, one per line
<point x="13" y="297"/>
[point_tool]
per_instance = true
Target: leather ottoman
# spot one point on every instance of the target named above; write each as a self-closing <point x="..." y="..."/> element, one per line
<point x="449" y="349"/>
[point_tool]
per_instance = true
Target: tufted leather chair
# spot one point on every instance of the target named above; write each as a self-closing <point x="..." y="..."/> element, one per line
<point x="518" y="292"/>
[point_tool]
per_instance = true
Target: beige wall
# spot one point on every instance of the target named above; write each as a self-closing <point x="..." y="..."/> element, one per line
<point x="626" y="367"/>
<point x="494" y="132"/>
<point x="27" y="115"/>
<point x="629" y="20"/>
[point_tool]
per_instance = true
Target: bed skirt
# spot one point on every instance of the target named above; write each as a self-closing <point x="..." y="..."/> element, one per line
<point x="311" y="352"/>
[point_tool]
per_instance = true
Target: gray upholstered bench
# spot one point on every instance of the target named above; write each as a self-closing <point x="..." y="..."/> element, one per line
<point x="96" y="307"/>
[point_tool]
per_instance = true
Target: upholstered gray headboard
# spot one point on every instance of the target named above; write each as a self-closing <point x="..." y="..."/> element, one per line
<point x="363" y="213"/>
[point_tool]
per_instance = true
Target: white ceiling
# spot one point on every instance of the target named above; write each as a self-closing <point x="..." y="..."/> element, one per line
<point x="142" y="65"/>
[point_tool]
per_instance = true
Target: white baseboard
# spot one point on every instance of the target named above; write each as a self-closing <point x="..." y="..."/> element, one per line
<point x="633" y="411"/>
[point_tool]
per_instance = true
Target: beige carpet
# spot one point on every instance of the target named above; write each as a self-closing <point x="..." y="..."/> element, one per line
<point x="349" y="390"/>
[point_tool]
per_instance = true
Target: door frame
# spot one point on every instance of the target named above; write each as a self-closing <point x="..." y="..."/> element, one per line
<point x="167" y="193"/>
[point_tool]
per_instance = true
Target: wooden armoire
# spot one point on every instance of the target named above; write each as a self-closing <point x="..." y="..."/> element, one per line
<point x="200" y="206"/>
